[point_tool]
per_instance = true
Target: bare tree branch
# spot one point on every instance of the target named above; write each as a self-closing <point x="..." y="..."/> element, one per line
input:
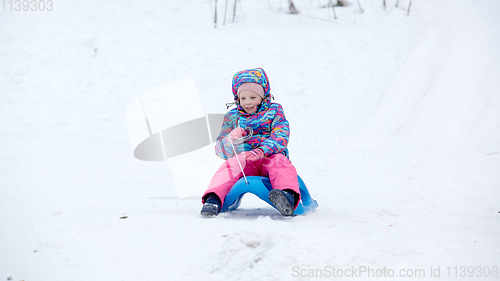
<point x="360" y="7"/>
<point x="292" y="8"/>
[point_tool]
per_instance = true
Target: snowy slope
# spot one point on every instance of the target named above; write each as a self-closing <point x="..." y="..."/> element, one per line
<point x="394" y="120"/>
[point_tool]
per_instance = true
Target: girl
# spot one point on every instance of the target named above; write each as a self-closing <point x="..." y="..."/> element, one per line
<point x="261" y="153"/>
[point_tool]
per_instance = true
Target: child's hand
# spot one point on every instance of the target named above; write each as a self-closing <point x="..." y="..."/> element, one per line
<point x="237" y="133"/>
<point x="253" y="155"/>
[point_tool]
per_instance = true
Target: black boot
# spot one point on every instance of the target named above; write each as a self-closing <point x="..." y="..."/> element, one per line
<point x="283" y="200"/>
<point x="211" y="207"/>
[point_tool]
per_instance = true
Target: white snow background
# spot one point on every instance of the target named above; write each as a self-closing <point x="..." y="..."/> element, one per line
<point x="394" y="128"/>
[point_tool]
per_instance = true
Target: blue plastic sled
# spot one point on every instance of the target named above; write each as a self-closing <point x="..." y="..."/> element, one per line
<point x="261" y="186"/>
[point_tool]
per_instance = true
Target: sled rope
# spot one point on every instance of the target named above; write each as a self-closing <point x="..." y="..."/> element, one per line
<point x="236" y="155"/>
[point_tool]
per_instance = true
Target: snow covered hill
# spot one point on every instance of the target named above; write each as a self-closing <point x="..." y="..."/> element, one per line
<point x="394" y="128"/>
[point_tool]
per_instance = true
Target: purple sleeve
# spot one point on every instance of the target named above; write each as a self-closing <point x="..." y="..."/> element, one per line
<point x="280" y="132"/>
<point x="223" y="148"/>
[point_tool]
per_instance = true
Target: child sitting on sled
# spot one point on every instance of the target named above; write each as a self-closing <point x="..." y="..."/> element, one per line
<point x="261" y="153"/>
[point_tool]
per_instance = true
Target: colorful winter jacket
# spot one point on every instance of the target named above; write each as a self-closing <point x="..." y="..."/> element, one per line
<point x="270" y="127"/>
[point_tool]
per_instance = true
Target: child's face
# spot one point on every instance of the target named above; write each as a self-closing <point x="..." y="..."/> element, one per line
<point x="249" y="101"/>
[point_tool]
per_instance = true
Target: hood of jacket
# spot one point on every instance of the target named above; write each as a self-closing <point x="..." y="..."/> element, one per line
<point x="254" y="75"/>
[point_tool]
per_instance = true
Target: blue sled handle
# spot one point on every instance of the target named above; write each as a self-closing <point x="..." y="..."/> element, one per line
<point x="260" y="186"/>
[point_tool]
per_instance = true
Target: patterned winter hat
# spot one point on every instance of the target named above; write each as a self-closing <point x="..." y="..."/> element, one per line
<point x="254" y="75"/>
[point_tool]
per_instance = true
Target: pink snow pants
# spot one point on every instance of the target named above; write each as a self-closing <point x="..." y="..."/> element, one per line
<point x="276" y="167"/>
